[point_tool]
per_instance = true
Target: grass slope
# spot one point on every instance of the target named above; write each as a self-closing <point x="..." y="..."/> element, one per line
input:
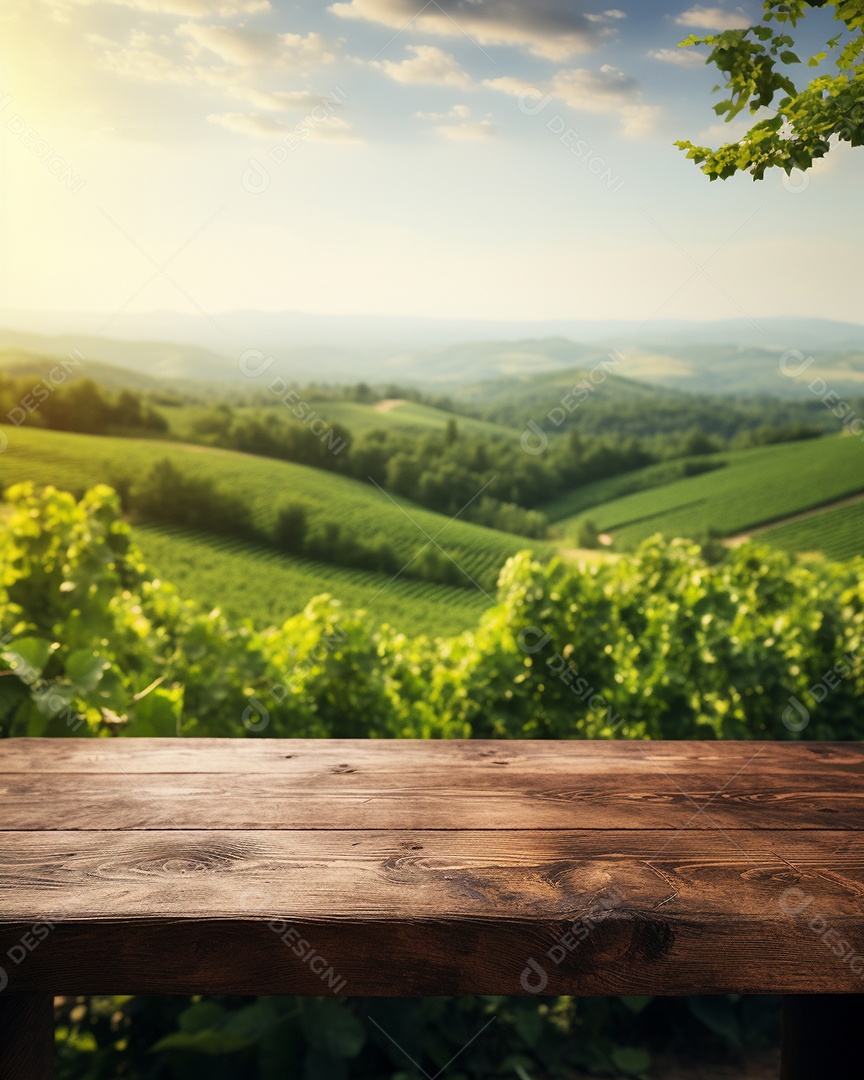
<point x="21" y="363"/>
<point x="250" y="582"/>
<point x="754" y="487"/>
<point x="576" y="502"/>
<point x="837" y="533"/>
<point x="533" y="395"/>
<point x="77" y="461"/>
<point x="408" y="416"/>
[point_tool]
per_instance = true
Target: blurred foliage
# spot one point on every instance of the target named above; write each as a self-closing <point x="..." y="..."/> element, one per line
<point x="460" y="1038"/>
<point x="666" y="644"/>
<point x="79" y="405"/>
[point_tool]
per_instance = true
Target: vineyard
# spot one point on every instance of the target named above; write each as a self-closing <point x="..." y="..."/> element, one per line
<point x="248" y="581"/>
<point x="74" y="462"/>
<point x="117" y="652"/>
<point x="749" y="488"/>
<point x="837" y="533"/>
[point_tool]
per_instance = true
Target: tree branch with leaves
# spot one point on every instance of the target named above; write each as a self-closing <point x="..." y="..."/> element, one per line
<point x="758" y="63"/>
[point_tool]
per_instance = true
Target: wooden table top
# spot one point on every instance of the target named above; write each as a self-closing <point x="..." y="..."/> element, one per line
<point x="416" y="867"/>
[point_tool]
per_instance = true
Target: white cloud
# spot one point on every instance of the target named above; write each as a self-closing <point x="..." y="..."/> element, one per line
<point x="257" y="125"/>
<point x="640" y="120"/>
<point x="680" y="57"/>
<point x="547" y="28"/>
<point x="467" y="132"/>
<point x="712" y="18"/>
<point x="606" y="91"/>
<point x="193" y="9"/>
<point x="144" y="58"/>
<point x="250" y="124"/>
<point x="720" y="134"/>
<point x="428" y="65"/>
<point x="281" y="100"/>
<point x="509" y="84"/>
<point x="254" y="62"/>
<point x="147" y="58"/>
<point x="733" y="130"/>
<point x="458" y="112"/>
<point x="333" y="129"/>
<point x="594" y="91"/>
<point x="456" y="124"/>
<point x="612" y="13"/>
<point x="242" y="46"/>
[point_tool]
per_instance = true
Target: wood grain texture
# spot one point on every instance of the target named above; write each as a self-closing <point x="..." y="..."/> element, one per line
<point x="433" y="800"/>
<point x="317" y="755"/>
<point x="457" y="906"/>
<point x="309" y="784"/>
<point x="431" y="867"/>
<point x="481" y="876"/>
<point x="624" y="954"/>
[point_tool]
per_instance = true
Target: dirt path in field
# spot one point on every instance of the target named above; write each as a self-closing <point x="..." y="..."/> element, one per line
<point x="589" y="555"/>
<point x="742" y="538"/>
<point x="388" y="404"/>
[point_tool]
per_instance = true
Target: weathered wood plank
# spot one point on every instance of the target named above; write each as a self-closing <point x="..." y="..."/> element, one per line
<point x="316" y="756"/>
<point x="432" y="798"/>
<point x="431" y="867"/>
<point x="447" y="912"/>
<point x="633" y="953"/>
<point x="286" y="784"/>
<point x="487" y="876"/>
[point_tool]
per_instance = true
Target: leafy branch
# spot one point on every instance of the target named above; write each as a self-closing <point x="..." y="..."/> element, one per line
<point x="757" y="63"/>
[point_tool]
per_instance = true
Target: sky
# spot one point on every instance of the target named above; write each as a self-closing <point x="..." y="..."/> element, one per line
<point x="486" y="159"/>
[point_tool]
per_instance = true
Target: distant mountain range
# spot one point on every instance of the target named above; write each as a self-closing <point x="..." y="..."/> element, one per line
<point x="730" y="357"/>
<point x="286" y="330"/>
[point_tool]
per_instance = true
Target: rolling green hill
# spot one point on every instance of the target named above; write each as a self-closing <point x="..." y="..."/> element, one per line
<point x="35" y="365"/>
<point x="838" y="533"/>
<point x="247" y="581"/>
<point x="575" y="502"/>
<point x="516" y="399"/>
<point x="172" y="361"/>
<point x="397" y="415"/>
<point x="751" y="487"/>
<point x="409" y="416"/>
<point x="77" y="461"/>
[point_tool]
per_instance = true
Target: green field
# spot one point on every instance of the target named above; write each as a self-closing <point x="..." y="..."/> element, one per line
<point x="250" y="582"/>
<point x="77" y="461"/>
<point x="837" y="533"/>
<point x="408" y="416"/>
<point x="753" y="487"/>
<point x="574" y="503"/>
<point x="405" y="416"/>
